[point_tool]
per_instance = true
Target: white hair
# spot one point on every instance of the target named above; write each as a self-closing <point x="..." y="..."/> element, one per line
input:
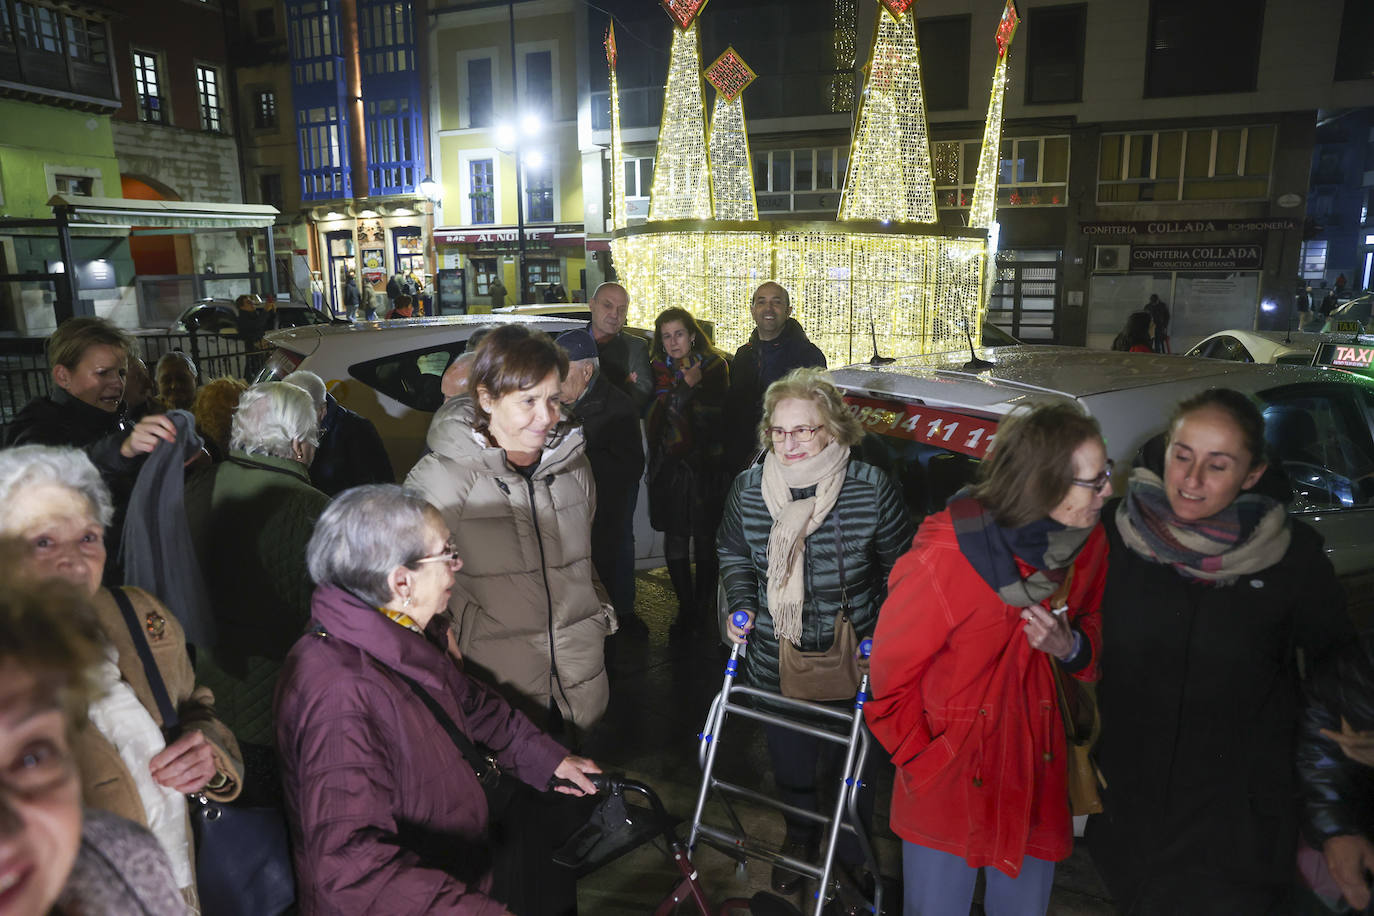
<point x="37" y="465"/>
<point x="271" y="417"/>
<point x="310" y="383"/>
<point x="365" y="534"/>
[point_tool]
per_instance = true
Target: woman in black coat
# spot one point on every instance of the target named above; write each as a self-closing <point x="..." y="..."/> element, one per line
<point x="1212" y="590"/>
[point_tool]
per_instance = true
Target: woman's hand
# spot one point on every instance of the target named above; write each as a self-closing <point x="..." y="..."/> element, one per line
<point x="574" y="770"/>
<point x="147" y="434"/>
<point x="739" y="634"/>
<point x="1050" y="633"/>
<point x="1351" y="861"/>
<point x="691" y="373"/>
<point x="186" y="765"/>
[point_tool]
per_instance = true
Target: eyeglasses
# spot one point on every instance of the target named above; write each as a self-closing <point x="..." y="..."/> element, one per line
<point x="800" y="434"/>
<point x="448" y="555"/>
<point x="1101" y="481"/>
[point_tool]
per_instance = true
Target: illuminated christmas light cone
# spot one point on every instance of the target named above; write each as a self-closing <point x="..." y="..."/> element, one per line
<point x="732" y="171"/>
<point x="618" y="211"/>
<point x="889" y="167"/>
<point x="984" y="208"/>
<point x="682" y="170"/>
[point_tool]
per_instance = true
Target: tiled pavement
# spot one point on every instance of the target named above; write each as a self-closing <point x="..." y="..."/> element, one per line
<point x="659" y="698"/>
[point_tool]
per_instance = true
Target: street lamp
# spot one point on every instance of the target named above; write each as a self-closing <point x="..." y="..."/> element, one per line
<point x="510" y="139"/>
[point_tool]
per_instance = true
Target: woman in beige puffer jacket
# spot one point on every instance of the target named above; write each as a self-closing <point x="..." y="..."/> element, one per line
<point x="528" y="611"/>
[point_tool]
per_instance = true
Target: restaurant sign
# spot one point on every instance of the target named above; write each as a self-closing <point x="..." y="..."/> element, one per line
<point x="1197" y="257"/>
<point x="1174" y="226"/>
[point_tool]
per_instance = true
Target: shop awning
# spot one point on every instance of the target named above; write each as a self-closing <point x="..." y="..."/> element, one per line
<point x="502" y="235"/>
<point x="160" y="215"/>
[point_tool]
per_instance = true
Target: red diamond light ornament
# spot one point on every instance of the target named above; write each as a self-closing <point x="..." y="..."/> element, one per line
<point x="730" y="74"/>
<point x="684" y="12"/>
<point x="610" y="45"/>
<point x="1006" y="29"/>
<point x="898" y="8"/>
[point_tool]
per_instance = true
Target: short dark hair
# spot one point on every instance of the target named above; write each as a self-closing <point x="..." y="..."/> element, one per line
<point x="1240" y="407"/>
<point x="75" y="336"/>
<point x="403" y="301"/>
<point x="701" y="341"/>
<point x="1030" y="468"/>
<point x="512" y="357"/>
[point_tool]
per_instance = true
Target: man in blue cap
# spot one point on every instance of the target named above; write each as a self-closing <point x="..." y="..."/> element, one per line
<point x="615" y="449"/>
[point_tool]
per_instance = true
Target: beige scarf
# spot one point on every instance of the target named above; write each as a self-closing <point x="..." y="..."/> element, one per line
<point x="793" y="520"/>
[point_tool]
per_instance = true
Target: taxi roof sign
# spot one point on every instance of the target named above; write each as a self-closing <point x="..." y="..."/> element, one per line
<point x="1357" y="355"/>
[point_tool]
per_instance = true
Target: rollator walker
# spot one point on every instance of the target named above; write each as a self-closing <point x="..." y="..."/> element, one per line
<point x="820" y="721"/>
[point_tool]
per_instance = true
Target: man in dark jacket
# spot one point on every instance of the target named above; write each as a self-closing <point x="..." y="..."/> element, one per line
<point x="777" y="346"/>
<point x="352" y="297"/>
<point x="89" y="359"/>
<point x="624" y="356"/>
<point x="1336" y="768"/>
<point x="615" y="450"/>
<point x="350" y="452"/>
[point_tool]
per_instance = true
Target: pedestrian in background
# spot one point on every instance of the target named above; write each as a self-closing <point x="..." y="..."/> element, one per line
<point x="1137" y="336"/>
<point x="352" y="296"/>
<point x="687" y="472"/>
<point x="997" y="589"/>
<point x="1213" y="590"/>
<point x="776" y="347"/>
<point x="806" y="545"/>
<point x="1159" y="316"/>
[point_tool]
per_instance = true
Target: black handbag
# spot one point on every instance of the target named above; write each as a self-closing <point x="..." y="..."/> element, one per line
<point x="243" y="856"/>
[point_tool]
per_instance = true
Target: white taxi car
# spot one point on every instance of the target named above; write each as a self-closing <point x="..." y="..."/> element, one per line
<point x="935" y="416"/>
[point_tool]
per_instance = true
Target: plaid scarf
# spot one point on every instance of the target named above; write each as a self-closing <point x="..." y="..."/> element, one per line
<point x="992" y="551"/>
<point x="1247" y="536"/>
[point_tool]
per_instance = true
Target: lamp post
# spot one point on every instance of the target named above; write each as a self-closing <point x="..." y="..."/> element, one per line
<point x="510" y="139"/>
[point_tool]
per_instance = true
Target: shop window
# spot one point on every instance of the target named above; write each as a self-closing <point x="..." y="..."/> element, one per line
<point x="1054" y="43"/>
<point x="265" y="109"/>
<point x="1032" y="172"/>
<point x="539" y="274"/>
<point x="482" y="192"/>
<point x="539" y="193"/>
<point x="484" y="271"/>
<point x="1184" y="55"/>
<point x="148" y="85"/>
<point x="408" y="251"/>
<point x="207" y="90"/>
<point x="945" y="61"/>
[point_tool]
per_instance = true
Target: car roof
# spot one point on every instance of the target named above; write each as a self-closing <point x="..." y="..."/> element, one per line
<point x="406" y="333"/>
<point x="1022" y="372"/>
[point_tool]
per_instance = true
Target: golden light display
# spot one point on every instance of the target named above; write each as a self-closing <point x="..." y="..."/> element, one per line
<point x="842" y="83"/>
<point x="984" y="208"/>
<point x="732" y="172"/>
<point x="885" y="270"/>
<point x="618" y="215"/>
<point x="889" y="167"/>
<point x="682" y="171"/>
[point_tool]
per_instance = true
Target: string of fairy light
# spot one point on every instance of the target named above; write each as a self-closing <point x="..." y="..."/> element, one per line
<point x="853" y="282"/>
<point x="619" y="217"/>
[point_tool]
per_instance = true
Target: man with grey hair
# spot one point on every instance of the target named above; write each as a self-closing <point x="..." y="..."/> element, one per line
<point x="615" y="450"/>
<point x="624" y="356"/>
<point x="250" y="518"/>
<point x="351" y="452"/>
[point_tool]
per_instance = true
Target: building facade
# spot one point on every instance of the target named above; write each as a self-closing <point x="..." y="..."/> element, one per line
<point x="507" y="84"/>
<point x="1141" y="152"/>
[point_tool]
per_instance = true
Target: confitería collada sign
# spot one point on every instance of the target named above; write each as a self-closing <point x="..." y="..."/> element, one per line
<point x="1197" y="257"/>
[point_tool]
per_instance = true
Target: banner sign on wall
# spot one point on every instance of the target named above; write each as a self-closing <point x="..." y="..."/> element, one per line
<point x="1172" y="226"/>
<point x="1196" y="257"/>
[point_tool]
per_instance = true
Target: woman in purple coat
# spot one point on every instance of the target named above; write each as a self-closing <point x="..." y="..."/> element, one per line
<point x="386" y="809"/>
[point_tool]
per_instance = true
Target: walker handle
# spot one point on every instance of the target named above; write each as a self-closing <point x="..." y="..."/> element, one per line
<point x="866" y="648"/>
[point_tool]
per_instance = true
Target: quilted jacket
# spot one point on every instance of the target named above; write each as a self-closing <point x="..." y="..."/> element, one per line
<point x="967" y="709"/>
<point x="874" y="530"/>
<point x="527" y="606"/>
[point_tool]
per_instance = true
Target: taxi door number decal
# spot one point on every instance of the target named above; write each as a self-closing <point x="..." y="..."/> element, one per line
<point x="953" y="431"/>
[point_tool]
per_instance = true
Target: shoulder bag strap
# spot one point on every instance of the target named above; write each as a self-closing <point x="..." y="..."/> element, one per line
<point x="481" y="764"/>
<point x="170" y="720"/>
<point x="839" y="562"/>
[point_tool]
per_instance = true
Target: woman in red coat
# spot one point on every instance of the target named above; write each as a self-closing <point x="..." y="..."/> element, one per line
<point x="963" y="691"/>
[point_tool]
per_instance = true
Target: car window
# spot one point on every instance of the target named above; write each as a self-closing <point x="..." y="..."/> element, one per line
<point x="930" y="453"/>
<point x="411" y="377"/>
<point x="1294" y="359"/>
<point x="1230" y="348"/>
<point x="1321" y="439"/>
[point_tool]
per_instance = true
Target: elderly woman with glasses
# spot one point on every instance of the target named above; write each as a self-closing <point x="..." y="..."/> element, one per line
<point x="377" y="725"/>
<point x="53" y="500"/>
<point x="997" y="590"/>
<point x="806" y="544"/>
<point x="250" y="517"/>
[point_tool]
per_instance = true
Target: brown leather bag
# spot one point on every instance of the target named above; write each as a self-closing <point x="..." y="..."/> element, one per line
<point x="834" y="673"/>
<point x="1078" y="708"/>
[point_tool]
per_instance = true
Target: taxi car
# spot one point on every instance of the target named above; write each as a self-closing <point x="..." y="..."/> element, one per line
<point x="933" y="417"/>
<point x="1284" y="348"/>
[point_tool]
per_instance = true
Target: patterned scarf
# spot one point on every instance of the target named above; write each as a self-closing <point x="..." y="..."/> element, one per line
<point x="992" y="551"/>
<point x="1247" y="536"/>
<point x="793" y="520"/>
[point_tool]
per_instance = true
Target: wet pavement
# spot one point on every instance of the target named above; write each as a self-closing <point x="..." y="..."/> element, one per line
<point x="660" y="695"/>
